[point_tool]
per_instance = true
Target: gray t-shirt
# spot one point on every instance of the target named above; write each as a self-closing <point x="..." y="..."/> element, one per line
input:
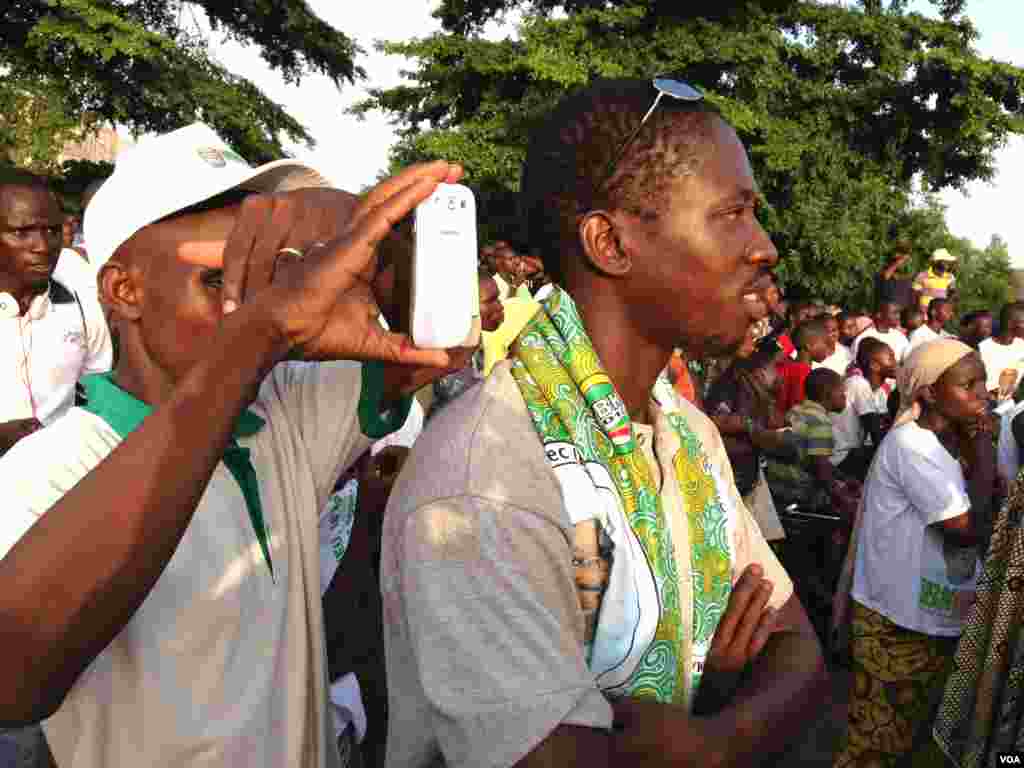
<point x="483" y="627"/>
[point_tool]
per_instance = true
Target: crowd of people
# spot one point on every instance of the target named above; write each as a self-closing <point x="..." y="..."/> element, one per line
<point x="248" y="524"/>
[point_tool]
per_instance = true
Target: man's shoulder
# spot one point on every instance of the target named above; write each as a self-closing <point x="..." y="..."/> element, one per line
<point x="40" y="468"/>
<point x="482" y="444"/>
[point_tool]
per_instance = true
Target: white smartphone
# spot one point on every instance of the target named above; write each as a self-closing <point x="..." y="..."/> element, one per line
<point x="444" y="291"/>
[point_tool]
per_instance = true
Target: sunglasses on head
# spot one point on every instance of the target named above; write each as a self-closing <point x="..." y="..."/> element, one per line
<point x="664" y="86"/>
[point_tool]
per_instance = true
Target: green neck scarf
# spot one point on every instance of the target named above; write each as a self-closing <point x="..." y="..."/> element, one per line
<point x="124" y="413"/>
<point x="589" y="441"/>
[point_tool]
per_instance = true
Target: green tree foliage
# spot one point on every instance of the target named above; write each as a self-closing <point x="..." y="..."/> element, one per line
<point x="984" y="275"/>
<point x="69" y="64"/>
<point x="845" y="108"/>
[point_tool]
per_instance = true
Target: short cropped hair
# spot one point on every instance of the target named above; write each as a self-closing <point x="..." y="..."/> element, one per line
<point x="569" y="153"/>
<point x="809" y="330"/>
<point x="868" y="348"/>
<point x="970" y="317"/>
<point x="19" y="177"/>
<point x="934" y="306"/>
<point x="820" y="382"/>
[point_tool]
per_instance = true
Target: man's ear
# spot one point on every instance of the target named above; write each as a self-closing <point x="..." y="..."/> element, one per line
<point x="120" y="290"/>
<point x="602" y="246"/>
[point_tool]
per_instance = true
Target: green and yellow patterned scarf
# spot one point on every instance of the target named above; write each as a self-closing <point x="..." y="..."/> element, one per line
<point x="589" y="441"/>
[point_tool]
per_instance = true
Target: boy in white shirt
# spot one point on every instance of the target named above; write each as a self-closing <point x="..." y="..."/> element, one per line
<point x="859" y="429"/>
<point x="1003" y="355"/>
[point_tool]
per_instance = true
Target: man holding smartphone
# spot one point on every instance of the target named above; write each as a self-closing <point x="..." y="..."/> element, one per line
<point x="160" y="574"/>
<point x="569" y="574"/>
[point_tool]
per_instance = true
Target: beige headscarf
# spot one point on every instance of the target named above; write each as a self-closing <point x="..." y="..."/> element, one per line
<point x="922" y="368"/>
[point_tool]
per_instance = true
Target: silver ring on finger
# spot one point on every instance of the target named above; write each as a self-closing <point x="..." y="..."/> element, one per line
<point x="293" y="252"/>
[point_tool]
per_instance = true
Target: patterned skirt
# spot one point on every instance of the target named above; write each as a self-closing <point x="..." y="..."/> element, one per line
<point x="896" y="673"/>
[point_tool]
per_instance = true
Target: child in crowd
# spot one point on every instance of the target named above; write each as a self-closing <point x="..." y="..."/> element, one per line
<point x="860" y="427"/>
<point x="812" y="480"/>
<point x="840" y="358"/>
<point x="847" y="328"/>
<point x="976" y="327"/>
<point x="1003" y="355"/>
<point x="812" y="346"/>
<point x="940" y="312"/>
<point x="912" y="319"/>
<point x="886" y="328"/>
<point x="799" y="313"/>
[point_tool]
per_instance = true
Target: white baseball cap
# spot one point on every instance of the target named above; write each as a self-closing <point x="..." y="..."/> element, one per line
<point x="942" y="254"/>
<point x="168" y="173"/>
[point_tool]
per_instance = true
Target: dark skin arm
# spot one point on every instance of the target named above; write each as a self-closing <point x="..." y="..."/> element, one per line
<point x="317" y="310"/>
<point x="975" y="525"/>
<point x="13" y="431"/>
<point x="784" y="688"/>
<point x="889" y="270"/>
<point x="765" y="439"/>
<point x="160" y="472"/>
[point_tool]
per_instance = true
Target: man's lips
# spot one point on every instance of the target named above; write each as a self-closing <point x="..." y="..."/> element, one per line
<point x="755" y="292"/>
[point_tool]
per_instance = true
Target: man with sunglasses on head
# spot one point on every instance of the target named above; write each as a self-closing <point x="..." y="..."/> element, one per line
<point x="570" y="576"/>
<point x="159" y="560"/>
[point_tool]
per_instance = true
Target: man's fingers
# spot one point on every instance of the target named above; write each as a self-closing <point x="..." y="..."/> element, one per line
<point x="744" y="632"/>
<point x="742" y="593"/>
<point x="764" y="631"/>
<point x="435" y="173"/>
<point x="359" y="247"/>
<point x="398" y="348"/>
<point x="253" y="217"/>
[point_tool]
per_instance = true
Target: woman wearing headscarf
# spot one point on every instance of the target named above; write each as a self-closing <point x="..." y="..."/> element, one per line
<point x="915" y="559"/>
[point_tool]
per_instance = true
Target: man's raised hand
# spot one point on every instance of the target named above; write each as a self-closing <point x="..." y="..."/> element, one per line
<point x="323" y="303"/>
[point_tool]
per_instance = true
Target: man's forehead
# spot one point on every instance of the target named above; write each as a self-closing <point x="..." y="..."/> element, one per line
<point x="195" y="239"/>
<point x="724" y="171"/>
<point x="23" y="200"/>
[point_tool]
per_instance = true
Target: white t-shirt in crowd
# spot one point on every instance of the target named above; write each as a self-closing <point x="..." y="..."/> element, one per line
<point x="46" y="351"/>
<point x="999" y="357"/>
<point x="917" y="337"/>
<point x="893" y="337"/>
<point x="905" y="568"/>
<point x="221" y="664"/>
<point x="838" y="361"/>
<point x="921" y="335"/>
<point x="846" y="426"/>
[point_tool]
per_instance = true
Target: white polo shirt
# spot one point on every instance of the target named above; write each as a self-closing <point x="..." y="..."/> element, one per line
<point x="221" y="664"/>
<point x="44" y="352"/>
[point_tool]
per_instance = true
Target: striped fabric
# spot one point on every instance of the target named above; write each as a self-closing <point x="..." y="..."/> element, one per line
<point x="811" y="436"/>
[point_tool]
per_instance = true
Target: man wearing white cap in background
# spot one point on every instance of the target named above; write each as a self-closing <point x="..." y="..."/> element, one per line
<point x="169" y="526"/>
<point x="938" y="281"/>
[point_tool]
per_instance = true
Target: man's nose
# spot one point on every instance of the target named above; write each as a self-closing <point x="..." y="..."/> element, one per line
<point x="763" y="252"/>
